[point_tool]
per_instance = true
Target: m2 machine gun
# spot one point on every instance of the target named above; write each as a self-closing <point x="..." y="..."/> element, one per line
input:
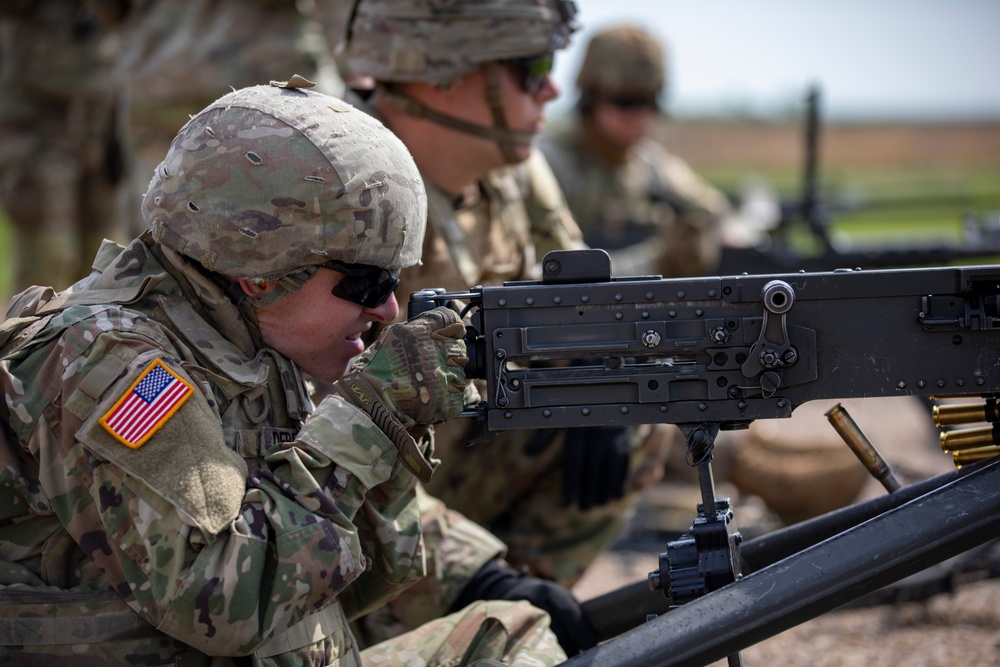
<point x="579" y="347"/>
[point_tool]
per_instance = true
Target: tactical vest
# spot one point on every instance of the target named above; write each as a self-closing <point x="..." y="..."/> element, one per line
<point x="40" y="623"/>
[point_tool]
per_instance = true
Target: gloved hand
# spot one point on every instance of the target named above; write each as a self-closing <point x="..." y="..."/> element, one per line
<point x="595" y="465"/>
<point x="414" y="373"/>
<point x="496" y="581"/>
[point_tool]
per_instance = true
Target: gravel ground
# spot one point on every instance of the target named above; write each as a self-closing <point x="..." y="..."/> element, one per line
<point x="957" y="629"/>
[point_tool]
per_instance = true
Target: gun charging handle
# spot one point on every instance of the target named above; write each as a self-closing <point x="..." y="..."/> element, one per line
<point x="862" y="447"/>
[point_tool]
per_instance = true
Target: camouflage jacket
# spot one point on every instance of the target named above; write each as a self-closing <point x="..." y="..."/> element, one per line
<point x="498" y="230"/>
<point x="654" y="214"/>
<point x="237" y="520"/>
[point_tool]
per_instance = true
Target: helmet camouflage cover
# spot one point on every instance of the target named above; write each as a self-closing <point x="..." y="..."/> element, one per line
<point x="440" y="40"/>
<point x="272" y="179"/>
<point x="623" y="59"/>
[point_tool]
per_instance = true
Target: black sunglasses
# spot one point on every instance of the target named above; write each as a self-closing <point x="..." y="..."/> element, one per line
<point x="630" y="102"/>
<point x="533" y="71"/>
<point x="363" y="284"/>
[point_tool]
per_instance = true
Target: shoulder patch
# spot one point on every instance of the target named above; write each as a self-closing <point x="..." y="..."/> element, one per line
<point x="152" y="399"/>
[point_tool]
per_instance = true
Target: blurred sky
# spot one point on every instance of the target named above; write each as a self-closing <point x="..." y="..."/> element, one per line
<point x="897" y="59"/>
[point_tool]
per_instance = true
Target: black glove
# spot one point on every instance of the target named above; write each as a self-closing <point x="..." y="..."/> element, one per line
<point x="595" y="465"/>
<point x="496" y="581"/>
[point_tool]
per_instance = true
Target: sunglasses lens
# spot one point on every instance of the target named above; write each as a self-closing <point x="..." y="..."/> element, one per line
<point x="630" y="103"/>
<point x="367" y="286"/>
<point x="534" y="71"/>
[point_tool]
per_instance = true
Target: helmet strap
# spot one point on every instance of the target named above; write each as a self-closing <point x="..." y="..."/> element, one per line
<point x="494" y="98"/>
<point x="502" y="134"/>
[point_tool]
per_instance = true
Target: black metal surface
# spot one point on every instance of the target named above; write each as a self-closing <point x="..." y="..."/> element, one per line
<point x="935" y="526"/>
<point x="711" y="349"/>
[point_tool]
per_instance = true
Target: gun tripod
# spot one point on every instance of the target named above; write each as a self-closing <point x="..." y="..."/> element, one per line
<point x="708" y="556"/>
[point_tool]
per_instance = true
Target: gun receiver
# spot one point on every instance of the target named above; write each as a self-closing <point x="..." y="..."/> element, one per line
<point x="580" y="347"/>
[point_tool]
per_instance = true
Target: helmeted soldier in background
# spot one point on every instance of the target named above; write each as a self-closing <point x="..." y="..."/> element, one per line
<point x="170" y="494"/>
<point x="464" y="85"/>
<point x="629" y="194"/>
<point x="64" y="170"/>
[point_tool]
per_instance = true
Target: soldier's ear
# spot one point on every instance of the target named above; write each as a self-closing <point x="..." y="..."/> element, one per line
<point x="256" y="289"/>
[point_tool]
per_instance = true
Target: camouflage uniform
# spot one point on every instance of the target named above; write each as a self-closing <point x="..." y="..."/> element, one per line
<point x="241" y="520"/>
<point x="647" y="207"/>
<point x="180" y="56"/>
<point x="64" y="178"/>
<point x="497" y="230"/>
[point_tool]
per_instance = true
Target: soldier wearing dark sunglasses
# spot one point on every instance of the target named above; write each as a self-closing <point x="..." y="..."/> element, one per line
<point x="628" y="194"/>
<point x="464" y="84"/>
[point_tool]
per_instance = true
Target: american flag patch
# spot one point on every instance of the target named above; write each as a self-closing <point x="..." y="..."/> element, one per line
<point x="147" y="405"/>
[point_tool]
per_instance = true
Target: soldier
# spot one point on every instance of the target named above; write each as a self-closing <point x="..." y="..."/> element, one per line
<point x="465" y="90"/>
<point x="169" y="493"/>
<point x="627" y="193"/>
<point x="180" y="56"/>
<point x="64" y="176"/>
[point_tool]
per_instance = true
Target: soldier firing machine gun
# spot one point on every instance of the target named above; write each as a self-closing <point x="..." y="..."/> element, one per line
<point x="579" y="347"/>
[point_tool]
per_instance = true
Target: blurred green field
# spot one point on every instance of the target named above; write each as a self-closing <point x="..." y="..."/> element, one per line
<point x="6" y="256"/>
<point x="885" y="205"/>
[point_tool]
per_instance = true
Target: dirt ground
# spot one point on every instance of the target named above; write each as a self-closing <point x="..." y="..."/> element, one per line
<point x="949" y="629"/>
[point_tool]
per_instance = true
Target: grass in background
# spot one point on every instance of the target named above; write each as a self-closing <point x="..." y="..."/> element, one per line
<point x="886" y="205"/>
<point x="6" y="258"/>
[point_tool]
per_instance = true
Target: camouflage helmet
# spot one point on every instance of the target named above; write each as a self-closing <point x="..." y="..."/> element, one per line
<point x="271" y="180"/>
<point x="623" y="59"/>
<point x="440" y="40"/>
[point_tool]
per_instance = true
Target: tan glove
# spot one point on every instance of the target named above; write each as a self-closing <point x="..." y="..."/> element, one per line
<point x="413" y="374"/>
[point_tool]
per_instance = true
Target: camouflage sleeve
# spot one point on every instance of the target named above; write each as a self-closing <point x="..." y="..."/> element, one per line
<point x="552" y="224"/>
<point x="214" y="555"/>
<point x="692" y="243"/>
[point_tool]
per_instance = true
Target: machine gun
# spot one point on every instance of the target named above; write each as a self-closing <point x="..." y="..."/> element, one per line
<point x="980" y="240"/>
<point x="579" y="347"/>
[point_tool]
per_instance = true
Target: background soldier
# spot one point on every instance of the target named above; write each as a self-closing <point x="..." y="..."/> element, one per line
<point x="628" y="194"/>
<point x="465" y="90"/>
<point x="64" y="172"/>
<point x="180" y="56"/>
<point x="169" y="491"/>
